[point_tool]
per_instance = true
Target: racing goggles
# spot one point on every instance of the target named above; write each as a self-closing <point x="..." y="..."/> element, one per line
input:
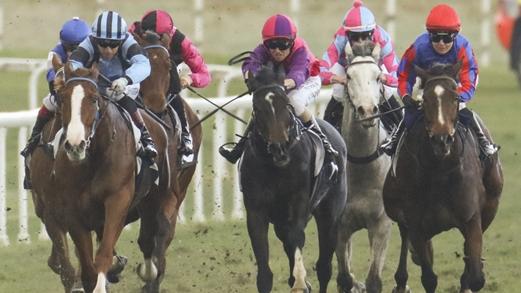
<point x="360" y="36"/>
<point x="108" y="43"/>
<point x="444" y="37"/>
<point x="281" y="44"/>
<point x="69" y="47"/>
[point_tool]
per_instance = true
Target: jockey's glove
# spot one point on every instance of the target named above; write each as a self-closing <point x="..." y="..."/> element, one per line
<point x="119" y="85"/>
<point x="409" y="102"/>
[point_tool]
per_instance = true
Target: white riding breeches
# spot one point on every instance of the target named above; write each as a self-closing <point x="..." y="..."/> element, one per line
<point x="50" y="103"/>
<point x="306" y="93"/>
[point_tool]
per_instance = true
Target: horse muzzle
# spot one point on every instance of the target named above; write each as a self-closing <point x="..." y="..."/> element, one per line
<point x="441" y="144"/>
<point x="279" y="154"/>
<point x="75" y="152"/>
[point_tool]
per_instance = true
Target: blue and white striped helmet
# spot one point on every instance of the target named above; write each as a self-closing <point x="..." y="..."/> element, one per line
<point x="109" y="25"/>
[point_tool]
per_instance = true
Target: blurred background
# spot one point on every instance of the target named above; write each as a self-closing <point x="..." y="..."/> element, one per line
<point x="211" y="244"/>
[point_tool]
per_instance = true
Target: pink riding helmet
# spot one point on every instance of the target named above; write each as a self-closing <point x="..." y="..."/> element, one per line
<point x="279" y="26"/>
<point x="159" y="21"/>
<point x="359" y="18"/>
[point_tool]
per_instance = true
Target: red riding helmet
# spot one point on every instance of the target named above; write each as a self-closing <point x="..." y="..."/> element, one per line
<point x="443" y="18"/>
<point x="279" y="26"/>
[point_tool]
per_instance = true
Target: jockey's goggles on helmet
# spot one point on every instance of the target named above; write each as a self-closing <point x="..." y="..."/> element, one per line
<point x="360" y="36"/>
<point x="69" y="47"/>
<point x="281" y="44"/>
<point x="445" y="37"/>
<point x="108" y="43"/>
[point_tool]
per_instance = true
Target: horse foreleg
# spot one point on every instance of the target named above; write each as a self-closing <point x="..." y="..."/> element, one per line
<point x="423" y="249"/>
<point x="378" y="238"/>
<point x="473" y="277"/>
<point x="257" y="223"/>
<point x="401" y="274"/>
<point x="83" y="241"/>
<point x="327" y="229"/>
<point x="345" y="279"/>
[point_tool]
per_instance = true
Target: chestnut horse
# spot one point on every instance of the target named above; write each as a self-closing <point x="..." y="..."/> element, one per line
<point x="92" y="175"/>
<point x="159" y="211"/>
<point x="440" y="183"/>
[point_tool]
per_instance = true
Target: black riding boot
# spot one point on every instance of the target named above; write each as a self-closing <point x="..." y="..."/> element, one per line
<point x="487" y="148"/>
<point x="186" y="149"/>
<point x="313" y="125"/>
<point x="233" y="154"/>
<point x="390" y="144"/>
<point x="149" y="148"/>
<point x="333" y="113"/>
<point x="35" y="134"/>
<point x="391" y="120"/>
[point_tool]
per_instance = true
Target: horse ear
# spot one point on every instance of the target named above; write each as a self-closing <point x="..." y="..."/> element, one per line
<point x="165" y="40"/>
<point x="457" y="67"/>
<point x="56" y="62"/>
<point x="94" y="71"/>
<point x="376" y="52"/>
<point x="67" y="69"/>
<point x="138" y="38"/>
<point x="423" y="74"/>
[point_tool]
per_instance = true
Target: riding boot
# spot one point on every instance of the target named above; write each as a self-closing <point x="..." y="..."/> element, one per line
<point x="487" y="148"/>
<point x="390" y="144"/>
<point x="186" y="149"/>
<point x="43" y="117"/>
<point x="325" y="141"/>
<point x="233" y="154"/>
<point x="333" y="113"/>
<point x="391" y="120"/>
<point x="149" y="148"/>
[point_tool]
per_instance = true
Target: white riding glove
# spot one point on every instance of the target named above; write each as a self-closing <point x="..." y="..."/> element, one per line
<point x="119" y="85"/>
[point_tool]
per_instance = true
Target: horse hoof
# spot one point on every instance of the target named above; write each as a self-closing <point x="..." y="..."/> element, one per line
<point x="118" y="265"/>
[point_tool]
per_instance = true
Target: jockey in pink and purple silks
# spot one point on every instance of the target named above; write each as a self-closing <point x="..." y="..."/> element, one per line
<point x="281" y="46"/>
<point x="441" y="44"/>
<point x="182" y="50"/>
<point x="358" y="25"/>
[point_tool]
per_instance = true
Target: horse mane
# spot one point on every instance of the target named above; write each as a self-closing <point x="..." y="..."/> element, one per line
<point x="270" y="74"/>
<point x="363" y="48"/>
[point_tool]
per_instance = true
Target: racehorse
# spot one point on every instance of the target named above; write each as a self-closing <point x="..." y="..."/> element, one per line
<point x="438" y="182"/>
<point x="366" y="168"/>
<point x="159" y="211"/>
<point x="93" y="173"/>
<point x="281" y="184"/>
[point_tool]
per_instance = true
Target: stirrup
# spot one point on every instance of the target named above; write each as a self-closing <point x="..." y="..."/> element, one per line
<point x="230" y="152"/>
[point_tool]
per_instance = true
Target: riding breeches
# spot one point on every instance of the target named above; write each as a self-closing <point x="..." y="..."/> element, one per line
<point x="306" y="93"/>
<point x="50" y="102"/>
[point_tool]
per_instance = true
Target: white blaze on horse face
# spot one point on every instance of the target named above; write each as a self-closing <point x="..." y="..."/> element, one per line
<point x="299" y="272"/>
<point x="76" y="129"/>
<point x="363" y="86"/>
<point x="439" y="91"/>
<point x="269" y="99"/>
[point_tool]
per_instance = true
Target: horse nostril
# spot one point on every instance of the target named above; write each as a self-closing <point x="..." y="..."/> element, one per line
<point x="450" y="139"/>
<point x="360" y="111"/>
<point x="375" y="110"/>
<point x="67" y="145"/>
<point x="82" y="144"/>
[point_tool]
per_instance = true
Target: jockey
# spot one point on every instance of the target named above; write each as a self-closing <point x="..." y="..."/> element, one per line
<point x="358" y="25"/>
<point x="442" y="43"/>
<point x="120" y="60"/>
<point x="72" y="33"/>
<point x="282" y="47"/>
<point x="181" y="50"/>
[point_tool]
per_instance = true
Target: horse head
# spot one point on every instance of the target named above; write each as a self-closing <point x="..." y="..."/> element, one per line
<point x="272" y="116"/>
<point x="155" y="87"/>
<point x="440" y="105"/>
<point x="364" y="87"/>
<point x="79" y="105"/>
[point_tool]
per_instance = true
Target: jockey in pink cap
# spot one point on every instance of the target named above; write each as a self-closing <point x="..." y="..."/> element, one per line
<point x="182" y="50"/>
<point x="358" y="25"/>
<point x="285" y="50"/>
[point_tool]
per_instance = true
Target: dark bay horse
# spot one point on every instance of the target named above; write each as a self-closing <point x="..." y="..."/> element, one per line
<point x="281" y="185"/>
<point x="440" y="183"/>
<point x="93" y="173"/>
<point x="159" y="212"/>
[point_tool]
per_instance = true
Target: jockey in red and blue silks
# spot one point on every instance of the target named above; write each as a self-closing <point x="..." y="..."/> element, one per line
<point x="282" y="47"/>
<point x="443" y="44"/>
<point x="72" y="33"/>
<point x="358" y="25"/>
<point x="182" y="50"/>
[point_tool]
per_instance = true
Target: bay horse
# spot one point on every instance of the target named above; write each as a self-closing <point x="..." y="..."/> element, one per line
<point x="93" y="173"/>
<point x="366" y="168"/>
<point x="160" y="210"/>
<point x="281" y="185"/>
<point x="439" y="182"/>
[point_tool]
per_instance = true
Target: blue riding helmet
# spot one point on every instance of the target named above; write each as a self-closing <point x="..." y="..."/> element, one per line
<point x="109" y="25"/>
<point x="74" y="31"/>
